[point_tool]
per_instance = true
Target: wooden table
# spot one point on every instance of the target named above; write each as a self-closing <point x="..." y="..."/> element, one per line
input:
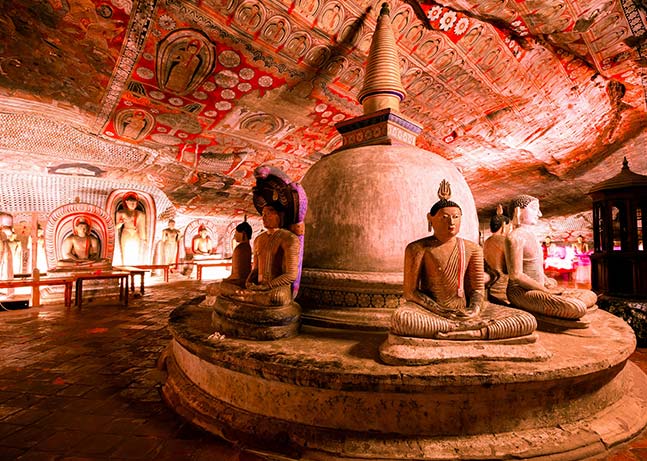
<point x="36" y="282"/>
<point x="165" y="267"/>
<point x="122" y="276"/>
<point x="202" y="263"/>
<point x="133" y="272"/>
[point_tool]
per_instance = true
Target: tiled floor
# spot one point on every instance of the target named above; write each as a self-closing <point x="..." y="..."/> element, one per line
<point x="83" y="385"/>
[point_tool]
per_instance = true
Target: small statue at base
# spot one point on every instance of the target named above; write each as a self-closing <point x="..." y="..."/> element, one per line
<point x="81" y="249"/>
<point x="528" y="286"/>
<point x="494" y="256"/>
<point x="444" y="286"/>
<point x="241" y="259"/>
<point x="262" y="306"/>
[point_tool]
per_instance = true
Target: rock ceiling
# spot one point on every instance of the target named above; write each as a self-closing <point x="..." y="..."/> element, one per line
<point x="535" y="96"/>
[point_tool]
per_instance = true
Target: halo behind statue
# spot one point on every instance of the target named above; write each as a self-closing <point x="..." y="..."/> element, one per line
<point x="275" y="188"/>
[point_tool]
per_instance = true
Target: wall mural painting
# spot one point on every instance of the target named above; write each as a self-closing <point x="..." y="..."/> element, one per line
<point x="184" y="60"/>
<point x="183" y="87"/>
<point x="45" y="37"/>
<point x="134" y="124"/>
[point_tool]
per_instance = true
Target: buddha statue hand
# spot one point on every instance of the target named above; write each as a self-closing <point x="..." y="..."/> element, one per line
<point x="257" y="287"/>
<point x="550" y="283"/>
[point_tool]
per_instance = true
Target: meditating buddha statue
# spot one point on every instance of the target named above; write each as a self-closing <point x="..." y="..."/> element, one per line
<point x="528" y="286"/>
<point x="263" y="307"/>
<point x="201" y="244"/>
<point x="81" y="249"/>
<point x="494" y="257"/>
<point x="241" y="258"/>
<point x="444" y="289"/>
<point x="275" y="268"/>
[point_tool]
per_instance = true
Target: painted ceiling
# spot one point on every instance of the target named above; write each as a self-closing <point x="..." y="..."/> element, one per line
<point x="538" y="96"/>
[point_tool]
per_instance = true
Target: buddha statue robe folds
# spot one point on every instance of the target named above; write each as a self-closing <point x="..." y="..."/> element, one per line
<point x="446" y="303"/>
<point x="528" y="286"/>
<point x="262" y="306"/>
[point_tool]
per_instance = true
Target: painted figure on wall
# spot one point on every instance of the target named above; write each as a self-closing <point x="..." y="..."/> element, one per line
<point x="130" y="224"/>
<point x="185" y="59"/>
<point x="528" y="286"/>
<point x="133" y="124"/>
<point x="444" y="286"/>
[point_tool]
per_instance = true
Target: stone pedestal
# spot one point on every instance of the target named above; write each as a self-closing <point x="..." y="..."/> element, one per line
<point x="325" y="395"/>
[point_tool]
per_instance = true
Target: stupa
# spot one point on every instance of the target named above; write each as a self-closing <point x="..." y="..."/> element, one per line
<point x="369" y="199"/>
<point x="325" y="395"/>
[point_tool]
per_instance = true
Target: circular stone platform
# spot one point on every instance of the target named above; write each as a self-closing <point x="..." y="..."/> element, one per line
<point x="324" y="395"/>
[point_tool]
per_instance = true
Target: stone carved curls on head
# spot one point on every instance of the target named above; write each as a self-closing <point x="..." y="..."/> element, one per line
<point x="519" y="202"/>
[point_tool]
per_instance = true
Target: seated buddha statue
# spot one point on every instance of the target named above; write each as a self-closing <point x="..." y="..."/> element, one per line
<point x="241" y="258"/>
<point x="494" y="257"/>
<point x="275" y="267"/>
<point x="201" y="244"/>
<point x="528" y="287"/>
<point x="81" y="249"/>
<point x="262" y="306"/>
<point x="444" y="286"/>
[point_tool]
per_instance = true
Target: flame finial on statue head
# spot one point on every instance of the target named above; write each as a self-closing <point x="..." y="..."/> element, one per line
<point x="444" y="194"/>
<point x="382" y="86"/>
<point x="444" y="190"/>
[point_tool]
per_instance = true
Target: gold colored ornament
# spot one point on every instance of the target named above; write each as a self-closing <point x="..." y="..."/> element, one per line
<point x="444" y="190"/>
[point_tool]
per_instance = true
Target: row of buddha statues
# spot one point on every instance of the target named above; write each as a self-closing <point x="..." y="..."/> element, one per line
<point x="453" y="289"/>
<point x="82" y="236"/>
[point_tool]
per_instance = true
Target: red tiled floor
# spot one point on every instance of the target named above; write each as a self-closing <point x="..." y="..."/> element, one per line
<point x="83" y="386"/>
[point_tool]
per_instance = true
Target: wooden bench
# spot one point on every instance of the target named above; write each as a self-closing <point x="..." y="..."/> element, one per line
<point x="36" y="282"/>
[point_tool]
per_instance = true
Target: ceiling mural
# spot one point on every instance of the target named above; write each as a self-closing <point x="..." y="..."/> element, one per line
<point x="536" y="96"/>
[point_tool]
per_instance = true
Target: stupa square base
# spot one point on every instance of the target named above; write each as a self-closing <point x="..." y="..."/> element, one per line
<point x="325" y="395"/>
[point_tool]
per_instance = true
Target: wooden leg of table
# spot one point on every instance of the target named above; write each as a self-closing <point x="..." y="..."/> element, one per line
<point x="35" y="295"/>
<point x="126" y="292"/>
<point x="199" y="272"/>
<point x="68" y="294"/>
<point x="78" y="294"/>
<point x="132" y="282"/>
<point x="166" y="270"/>
<point x="141" y="284"/>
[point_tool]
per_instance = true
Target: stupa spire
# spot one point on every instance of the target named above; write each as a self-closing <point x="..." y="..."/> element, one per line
<point x="382" y="85"/>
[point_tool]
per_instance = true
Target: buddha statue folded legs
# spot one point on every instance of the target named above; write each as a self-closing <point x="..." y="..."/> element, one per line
<point x="446" y="305"/>
<point x="528" y="286"/>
